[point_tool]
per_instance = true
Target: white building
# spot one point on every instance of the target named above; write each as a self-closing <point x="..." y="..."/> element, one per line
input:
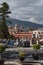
<point x="38" y="34"/>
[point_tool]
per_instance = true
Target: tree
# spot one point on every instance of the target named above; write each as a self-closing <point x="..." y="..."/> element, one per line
<point x="2" y="49"/>
<point x="21" y="55"/>
<point x="36" y="47"/>
<point x="4" y="11"/>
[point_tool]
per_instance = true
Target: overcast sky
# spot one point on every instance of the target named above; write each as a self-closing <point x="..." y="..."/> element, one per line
<point x="27" y="10"/>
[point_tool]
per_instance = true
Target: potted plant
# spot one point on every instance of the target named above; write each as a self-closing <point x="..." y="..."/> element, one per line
<point x="21" y="55"/>
<point x="36" y="47"/>
<point x="2" y="49"/>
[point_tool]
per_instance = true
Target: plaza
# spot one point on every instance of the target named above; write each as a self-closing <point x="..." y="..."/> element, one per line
<point x="11" y="56"/>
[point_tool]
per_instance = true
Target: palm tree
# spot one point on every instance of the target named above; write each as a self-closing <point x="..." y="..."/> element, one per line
<point x="2" y="49"/>
<point x="4" y="11"/>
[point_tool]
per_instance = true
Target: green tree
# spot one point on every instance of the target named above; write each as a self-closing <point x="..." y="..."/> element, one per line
<point x="36" y="47"/>
<point x="4" y="11"/>
<point x="2" y="49"/>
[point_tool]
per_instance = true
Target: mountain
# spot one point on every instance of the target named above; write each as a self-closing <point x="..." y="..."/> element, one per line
<point x="26" y="24"/>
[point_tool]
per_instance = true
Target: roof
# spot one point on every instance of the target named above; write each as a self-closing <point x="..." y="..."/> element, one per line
<point x="22" y="34"/>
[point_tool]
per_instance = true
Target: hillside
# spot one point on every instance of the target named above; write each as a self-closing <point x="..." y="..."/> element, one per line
<point x="26" y="24"/>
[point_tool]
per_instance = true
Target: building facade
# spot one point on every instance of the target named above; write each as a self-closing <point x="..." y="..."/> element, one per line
<point x="34" y="36"/>
<point x="38" y="36"/>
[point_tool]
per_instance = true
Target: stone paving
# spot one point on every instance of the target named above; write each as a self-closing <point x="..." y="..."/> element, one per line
<point x="17" y="62"/>
<point x="14" y="62"/>
<point x="11" y="56"/>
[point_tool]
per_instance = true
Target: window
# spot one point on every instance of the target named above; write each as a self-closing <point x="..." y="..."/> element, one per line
<point x="34" y="36"/>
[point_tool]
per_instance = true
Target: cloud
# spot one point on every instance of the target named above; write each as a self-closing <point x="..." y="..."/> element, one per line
<point x="28" y="10"/>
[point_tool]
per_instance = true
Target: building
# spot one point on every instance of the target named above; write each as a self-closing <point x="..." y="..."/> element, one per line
<point x="16" y="28"/>
<point x="9" y="29"/>
<point x="38" y="36"/>
<point x="23" y="36"/>
<point x="38" y="33"/>
<point x="34" y="36"/>
<point x="18" y="33"/>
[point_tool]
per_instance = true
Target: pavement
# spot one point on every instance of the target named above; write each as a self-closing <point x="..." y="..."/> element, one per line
<point x="25" y="49"/>
<point x="20" y="48"/>
<point x="11" y="56"/>
<point x="25" y="62"/>
<point x="14" y="62"/>
<point x="17" y="62"/>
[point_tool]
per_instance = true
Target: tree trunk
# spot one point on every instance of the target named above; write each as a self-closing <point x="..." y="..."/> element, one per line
<point x="35" y="52"/>
<point x="36" y="56"/>
<point x="1" y="59"/>
<point x="0" y="55"/>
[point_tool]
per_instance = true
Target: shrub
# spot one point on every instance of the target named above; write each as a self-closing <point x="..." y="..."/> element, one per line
<point x="21" y="54"/>
<point x="2" y="47"/>
<point x="36" y="46"/>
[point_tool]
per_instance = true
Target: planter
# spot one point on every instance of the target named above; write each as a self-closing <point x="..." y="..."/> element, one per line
<point x="36" y="47"/>
<point x="36" y="57"/>
<point x="1" y="62"/>
<point x="21" y="55"/>
<point x="21" y="58"/>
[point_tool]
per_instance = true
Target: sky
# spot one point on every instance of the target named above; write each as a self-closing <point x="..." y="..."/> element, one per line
<point x="26" y="10"/>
